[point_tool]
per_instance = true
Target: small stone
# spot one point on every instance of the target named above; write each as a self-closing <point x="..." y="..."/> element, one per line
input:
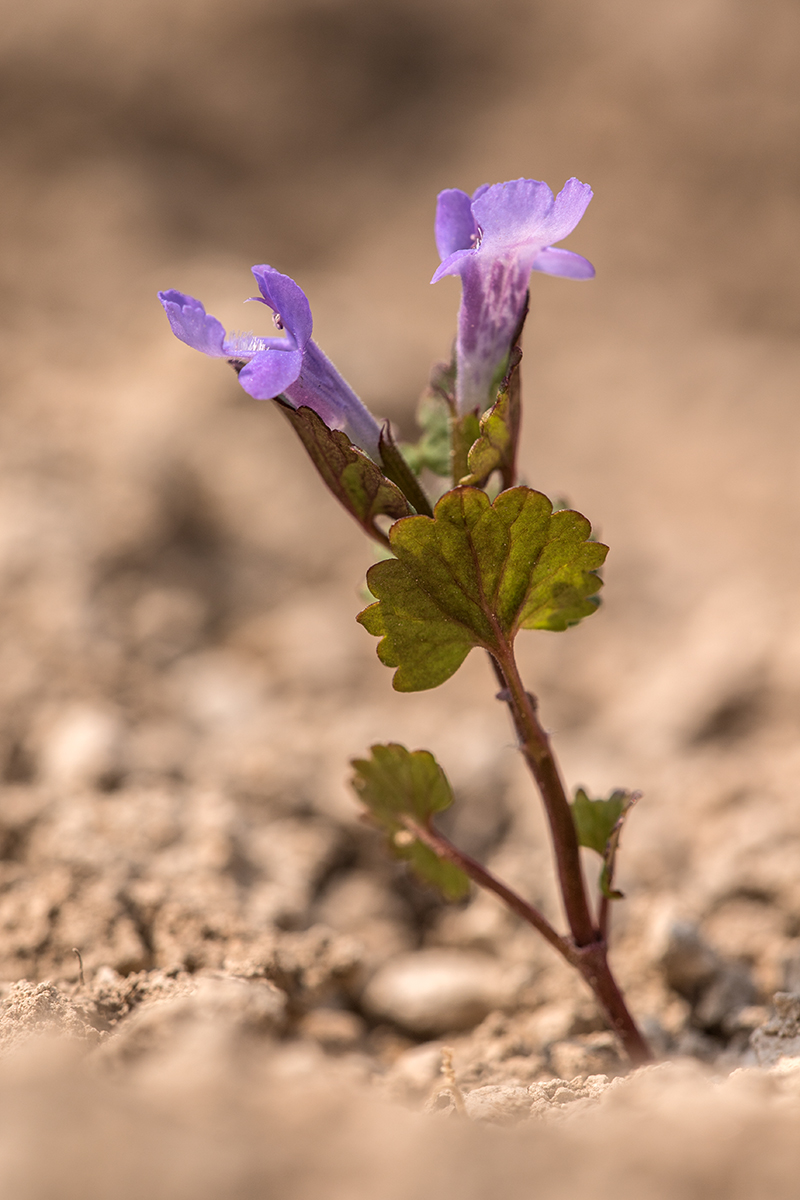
<point x="434" y="991"/>
<point x="83" y="747"/>
<point x="564" y="1096"/>
<point x="333" y="1028"/>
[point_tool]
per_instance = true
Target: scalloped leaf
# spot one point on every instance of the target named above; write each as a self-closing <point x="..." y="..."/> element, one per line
<point x="401" y="788"/>
<point x="353" y="478"/>
<point x="473" y="575"/>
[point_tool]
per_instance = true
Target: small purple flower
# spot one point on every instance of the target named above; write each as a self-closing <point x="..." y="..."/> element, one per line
<point x="493" y="240"/>
<point x="292" y="366"/>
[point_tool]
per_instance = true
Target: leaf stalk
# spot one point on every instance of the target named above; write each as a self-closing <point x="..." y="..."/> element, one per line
<point x="444" y="848"/>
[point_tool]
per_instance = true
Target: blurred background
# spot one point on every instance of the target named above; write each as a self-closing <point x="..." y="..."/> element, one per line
<point x="181" y="679"/>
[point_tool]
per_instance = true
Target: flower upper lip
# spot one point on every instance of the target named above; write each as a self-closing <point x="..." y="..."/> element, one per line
<point x="521" y="217"/>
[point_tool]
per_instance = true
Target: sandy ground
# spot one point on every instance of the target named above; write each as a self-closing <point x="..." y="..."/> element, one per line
<point x="264" y="997"/>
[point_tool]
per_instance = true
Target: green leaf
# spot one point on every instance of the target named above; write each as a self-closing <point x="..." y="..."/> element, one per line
<point x="473" y="576"/>
<point x="464" y="431"/>
<point x="598" y="824"/>
<point x="396" y="781"/>
<point x="450" y="880"/>
<point x="402" y="788"/>
<point x="595" y="819"/>
<point x="495" y="449"/>
<point x="355" y="480"/>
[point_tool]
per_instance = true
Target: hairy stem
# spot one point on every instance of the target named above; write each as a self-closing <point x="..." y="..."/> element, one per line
<point x="590" y="960"/>
<point x="593" y="966"/>
<point x="535" y="746"/>
<point x="588" y="950"/>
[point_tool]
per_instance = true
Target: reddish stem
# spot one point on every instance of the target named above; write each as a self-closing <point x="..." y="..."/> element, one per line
<point x="588" y="950"/>
<point x="590" y="960"/>
<point x="593" y="965"/>
<point x="444" y="848"/>
<point x="535" y="746"/>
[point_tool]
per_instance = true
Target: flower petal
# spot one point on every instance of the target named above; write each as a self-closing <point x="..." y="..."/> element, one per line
<point x="513" y="215"/>
<point x="568" y="207"/>
<point x="320" y="386"/>
<point x="455" y="226"/>
<point x="192" y="324"/>
<point x="271" y="372"/>
<point x="288" y="300"/>
<point x="492" y="300"/>
<point x="454" y="264"/>
<point x="563" y="262"/>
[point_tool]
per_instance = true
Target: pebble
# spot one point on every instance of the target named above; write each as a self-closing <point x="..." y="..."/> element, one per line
<point x="82" y="747"/>
<point x="436" y="991"/>
<point x="334" y="1028"/>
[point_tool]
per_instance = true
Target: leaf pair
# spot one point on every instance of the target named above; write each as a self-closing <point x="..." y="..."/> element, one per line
<point x="473" y="575"/>
<point x="402" y="790"/>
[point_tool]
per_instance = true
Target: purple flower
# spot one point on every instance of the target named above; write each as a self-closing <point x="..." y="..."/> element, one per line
<point x="493" y="240"/>
<point x="292" y="366"/>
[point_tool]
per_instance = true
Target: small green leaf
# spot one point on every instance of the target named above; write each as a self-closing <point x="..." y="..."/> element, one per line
<point x="355" y="480"/>
<point x="464" y="431"/>
<point x="394" y="784"/>
<point x="598" y="824"/>
<point x="396" y="781"/>
<point x="488" y="453"/>
<point x="473" y="576"/>
<point x="451" y="881"/>
<point x="595" y="819"/>
<point x="495" y="449"/>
